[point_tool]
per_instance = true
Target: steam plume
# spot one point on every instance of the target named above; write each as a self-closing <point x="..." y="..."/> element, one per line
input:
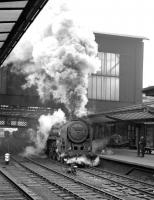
<point x="40" y="138"/>
<point x="59" y="58"/>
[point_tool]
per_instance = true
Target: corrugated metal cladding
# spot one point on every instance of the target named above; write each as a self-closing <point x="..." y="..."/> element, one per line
<point x="26" y="112"/>
<point x="136" y="115"/>
<point x="98" y="119"/>
<point x="101" y="119"/>
<point x="140" y="112"/>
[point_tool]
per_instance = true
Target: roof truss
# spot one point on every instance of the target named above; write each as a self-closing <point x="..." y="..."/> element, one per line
<point x="15" y="17"/>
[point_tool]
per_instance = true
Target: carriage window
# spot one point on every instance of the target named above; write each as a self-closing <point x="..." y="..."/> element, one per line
<point x="81" y="148"/>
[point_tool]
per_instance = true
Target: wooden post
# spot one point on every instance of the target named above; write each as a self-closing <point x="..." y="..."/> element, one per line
<point x="137" y="140"/>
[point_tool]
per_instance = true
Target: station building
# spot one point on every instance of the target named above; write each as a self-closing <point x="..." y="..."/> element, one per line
<point x="116" y="107"/>
<point x="118" y="83"/>
<point x="124" y="126"/>
<point x="148" y="93"/>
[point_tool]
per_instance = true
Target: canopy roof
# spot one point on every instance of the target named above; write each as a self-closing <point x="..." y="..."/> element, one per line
<point x="24" y="112"/>
<point x="137" y="113"/>
<point x="15" y="18"/>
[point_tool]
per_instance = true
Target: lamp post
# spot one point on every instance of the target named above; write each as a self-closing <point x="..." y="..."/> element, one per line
<point x="7" y="155"/>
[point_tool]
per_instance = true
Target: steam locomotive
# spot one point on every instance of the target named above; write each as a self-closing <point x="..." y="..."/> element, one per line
<point x="74" y="138"/>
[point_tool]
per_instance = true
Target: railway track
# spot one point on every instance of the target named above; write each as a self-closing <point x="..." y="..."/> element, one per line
<point x="49" y="179"/>
<point x="134" y="187"/>
<point x="125" y="180"/>
<point x="10" y="189"/>
<point x="122" y="186"/>
<point x="46" y="182"/>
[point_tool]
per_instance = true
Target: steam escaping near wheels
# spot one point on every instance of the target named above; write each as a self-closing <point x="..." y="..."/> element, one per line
<point x="40" y="137"/>
<point x="83" y="161"/>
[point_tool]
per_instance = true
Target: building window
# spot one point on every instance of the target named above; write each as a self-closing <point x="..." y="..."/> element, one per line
<point x="104" y="85"/>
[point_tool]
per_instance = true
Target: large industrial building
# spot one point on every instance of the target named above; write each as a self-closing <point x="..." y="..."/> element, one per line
<point x="118" y="83"/>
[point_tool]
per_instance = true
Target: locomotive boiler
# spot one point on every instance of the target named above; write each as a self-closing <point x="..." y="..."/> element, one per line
<point x="74" y="138"/>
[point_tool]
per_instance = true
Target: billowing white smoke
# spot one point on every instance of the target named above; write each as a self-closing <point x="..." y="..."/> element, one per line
<point x="60" y="59"/>
<point x="40" y="138"/>
<point x="84" y="161"/>
<point x="98" y="145"/>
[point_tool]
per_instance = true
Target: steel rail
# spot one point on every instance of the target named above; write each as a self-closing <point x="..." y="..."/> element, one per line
<point x="93" y="188"/>
<point x="123" y="184"/>
<point x="20" y="187"/>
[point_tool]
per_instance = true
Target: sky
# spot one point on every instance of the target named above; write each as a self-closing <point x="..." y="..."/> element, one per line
<point x="130" y="17"/>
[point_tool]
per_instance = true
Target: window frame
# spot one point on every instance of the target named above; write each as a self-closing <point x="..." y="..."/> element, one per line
<point x="108" y="80"/>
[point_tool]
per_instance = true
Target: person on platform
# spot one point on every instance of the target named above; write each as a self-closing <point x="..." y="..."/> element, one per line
<point x="142" y="145"/>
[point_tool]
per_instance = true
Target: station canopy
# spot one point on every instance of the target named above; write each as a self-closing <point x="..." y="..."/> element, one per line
<point x="15" y="111"/>
<point x="140" y="113"/>
<point x="15" y="18"/>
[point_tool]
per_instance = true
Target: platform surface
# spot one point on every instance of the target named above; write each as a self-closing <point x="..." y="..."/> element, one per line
<point x="130" y="157"/>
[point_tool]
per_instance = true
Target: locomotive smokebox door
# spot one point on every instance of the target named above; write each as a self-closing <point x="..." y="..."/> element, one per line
<point x="77" y="132"/>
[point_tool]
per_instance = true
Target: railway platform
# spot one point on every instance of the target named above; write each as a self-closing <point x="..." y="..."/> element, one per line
<point x="129" y="156"/>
